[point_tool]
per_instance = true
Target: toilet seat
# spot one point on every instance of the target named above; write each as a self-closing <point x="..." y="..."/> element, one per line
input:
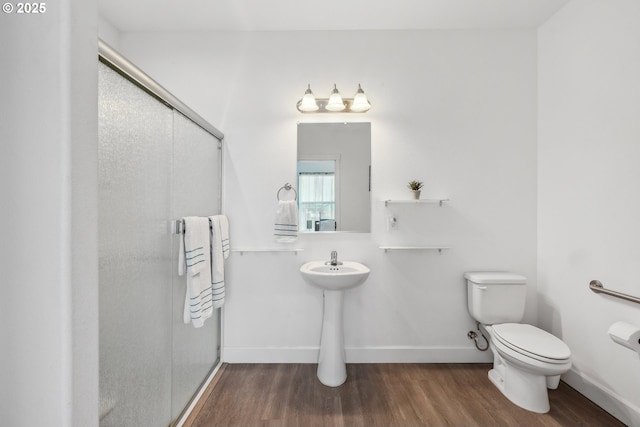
<point x="529" y="341"/>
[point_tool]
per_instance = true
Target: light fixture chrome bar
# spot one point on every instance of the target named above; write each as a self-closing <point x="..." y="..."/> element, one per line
<point x="109" y="55"/>
<point x="597" y="287"/>
<point x="322" y="104"/>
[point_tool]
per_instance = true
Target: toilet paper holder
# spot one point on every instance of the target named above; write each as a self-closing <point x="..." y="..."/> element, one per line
<point x="626" y="334"/>
<point x="622" y="333"/>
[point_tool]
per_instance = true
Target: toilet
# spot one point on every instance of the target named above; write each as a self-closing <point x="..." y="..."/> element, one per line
<point x="526" y="360"/>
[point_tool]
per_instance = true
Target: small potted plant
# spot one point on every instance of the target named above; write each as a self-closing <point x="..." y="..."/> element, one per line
<point x="415" y="186"/>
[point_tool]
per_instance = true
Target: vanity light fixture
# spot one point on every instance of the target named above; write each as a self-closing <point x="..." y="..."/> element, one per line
<point x="335" y="103"/>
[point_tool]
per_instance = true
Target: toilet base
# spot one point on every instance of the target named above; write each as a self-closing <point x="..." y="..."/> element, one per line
<point x="527" y="390"/>
<point x="524" y="381"/>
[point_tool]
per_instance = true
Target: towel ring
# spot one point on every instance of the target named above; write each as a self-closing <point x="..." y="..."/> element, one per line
<point x="287" y="187"/>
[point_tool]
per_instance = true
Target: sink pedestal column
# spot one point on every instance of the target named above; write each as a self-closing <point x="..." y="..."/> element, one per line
<point x="332" y="368"/>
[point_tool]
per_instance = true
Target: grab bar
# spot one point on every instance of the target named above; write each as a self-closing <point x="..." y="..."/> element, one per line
<point x="597" y="287"/>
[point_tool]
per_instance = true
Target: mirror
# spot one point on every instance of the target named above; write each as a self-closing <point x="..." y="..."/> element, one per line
<point x="334" y="177"/>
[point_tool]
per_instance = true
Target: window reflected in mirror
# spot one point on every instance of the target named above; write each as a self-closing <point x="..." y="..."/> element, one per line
<point x="317" y="195"/>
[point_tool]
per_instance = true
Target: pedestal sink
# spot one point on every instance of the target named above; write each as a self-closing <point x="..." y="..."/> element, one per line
<point x="333" y="280"/>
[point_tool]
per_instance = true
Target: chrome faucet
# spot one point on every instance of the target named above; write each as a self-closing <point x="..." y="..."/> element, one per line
<point x="334" y="259"/>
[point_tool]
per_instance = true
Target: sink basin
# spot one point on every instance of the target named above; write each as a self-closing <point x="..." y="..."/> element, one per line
<point x="347" y="275"/>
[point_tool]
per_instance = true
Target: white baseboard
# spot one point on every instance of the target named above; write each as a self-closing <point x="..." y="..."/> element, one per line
<point x="270" y="354"/>
<point x="605" y="398"/>
<point x="358" y="355"/>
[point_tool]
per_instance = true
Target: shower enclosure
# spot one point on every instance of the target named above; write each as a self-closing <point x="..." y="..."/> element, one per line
<point x="155" y="166"/>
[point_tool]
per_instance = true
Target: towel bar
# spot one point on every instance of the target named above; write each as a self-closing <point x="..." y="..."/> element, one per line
<point x="178" y="226"/>
<point x="597" y="287"/>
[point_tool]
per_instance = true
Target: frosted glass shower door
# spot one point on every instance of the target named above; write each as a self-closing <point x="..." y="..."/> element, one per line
<point x="195" y="192"/>
<point x="135" y="155"/>
<point x="155" y="167"/>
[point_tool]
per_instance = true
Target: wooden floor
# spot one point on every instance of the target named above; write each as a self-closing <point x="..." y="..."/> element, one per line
<point x="379" y="395"/>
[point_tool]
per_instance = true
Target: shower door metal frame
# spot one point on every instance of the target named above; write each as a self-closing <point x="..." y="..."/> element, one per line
<point x="121" y="64"/>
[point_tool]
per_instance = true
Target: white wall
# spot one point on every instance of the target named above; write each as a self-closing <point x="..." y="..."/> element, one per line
<point x="589" y="203"/>
<point x="455" y="109"/>
<point x="48" y="258"/>
<point x="108" y="33"/>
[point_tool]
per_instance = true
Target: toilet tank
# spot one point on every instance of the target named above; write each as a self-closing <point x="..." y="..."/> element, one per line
<point x="496" y="296"/>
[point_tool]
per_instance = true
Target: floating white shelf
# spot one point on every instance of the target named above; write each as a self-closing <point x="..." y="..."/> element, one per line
<point x="290" y="250"/>
<point x="414" y="248"/>
<point x="415" y="202"/>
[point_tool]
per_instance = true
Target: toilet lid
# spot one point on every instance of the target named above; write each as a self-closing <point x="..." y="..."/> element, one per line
<point x="528" y="339"/>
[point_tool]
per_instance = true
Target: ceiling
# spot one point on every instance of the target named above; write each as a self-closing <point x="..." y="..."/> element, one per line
<point x="292" y="15"/>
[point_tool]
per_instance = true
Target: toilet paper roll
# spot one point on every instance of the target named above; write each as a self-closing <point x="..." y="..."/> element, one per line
<point x="626" y="335"/>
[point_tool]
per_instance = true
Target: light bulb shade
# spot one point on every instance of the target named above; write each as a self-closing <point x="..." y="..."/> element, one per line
<point x="308" y="102"/>
<point x="335" y="101"/>
<point x="360" y="102"/>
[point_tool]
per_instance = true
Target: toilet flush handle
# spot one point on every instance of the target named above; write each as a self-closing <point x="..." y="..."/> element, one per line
<point x="482" y="288"/>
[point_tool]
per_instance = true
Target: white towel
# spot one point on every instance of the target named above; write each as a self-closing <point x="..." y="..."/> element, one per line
<point x="194" y="258"/>
<point x="217" y="257"/>
<point x="224" y="235"/>
<point x="285" y="228"/>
